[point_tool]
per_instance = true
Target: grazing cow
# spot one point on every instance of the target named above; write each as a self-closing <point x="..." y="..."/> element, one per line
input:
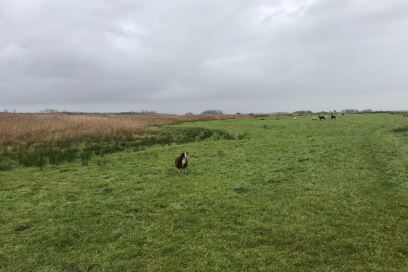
<point x="322" y="117"/>
<point x="332" y="116"/>
<point x="182" y="162"/>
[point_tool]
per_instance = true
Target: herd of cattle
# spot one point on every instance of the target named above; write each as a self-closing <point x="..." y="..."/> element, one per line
<point x="321" y="117"/>
<point x="324" y="117"/>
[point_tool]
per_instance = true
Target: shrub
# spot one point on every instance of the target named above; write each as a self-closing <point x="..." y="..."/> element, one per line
<point x="6" y="164"/>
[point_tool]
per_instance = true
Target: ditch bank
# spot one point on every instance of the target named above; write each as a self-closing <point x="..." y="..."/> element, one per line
<point x="87" y="146"/>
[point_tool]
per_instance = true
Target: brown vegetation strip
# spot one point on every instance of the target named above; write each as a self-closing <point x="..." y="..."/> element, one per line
<point x="29" y="128"/>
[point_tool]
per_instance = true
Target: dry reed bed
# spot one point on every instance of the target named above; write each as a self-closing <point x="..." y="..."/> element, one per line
<point x="17" y="129"/>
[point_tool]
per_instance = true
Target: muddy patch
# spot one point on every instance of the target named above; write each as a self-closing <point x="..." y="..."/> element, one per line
<point x="22" y="227"/>
<point x="240" y="190"/>
<point x="72" y="198"/>
<point x="275" y="181"/>
<point x="107" y="190"/>
<point x="133" y="210"/>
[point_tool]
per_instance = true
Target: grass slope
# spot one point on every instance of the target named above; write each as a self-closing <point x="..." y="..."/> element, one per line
<point x="297" y="195"/>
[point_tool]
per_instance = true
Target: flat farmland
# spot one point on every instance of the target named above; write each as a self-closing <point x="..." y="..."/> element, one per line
<point x="261" y="194"/>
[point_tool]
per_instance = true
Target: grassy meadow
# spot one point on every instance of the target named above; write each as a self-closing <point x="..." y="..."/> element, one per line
<point x="267" y="194"/>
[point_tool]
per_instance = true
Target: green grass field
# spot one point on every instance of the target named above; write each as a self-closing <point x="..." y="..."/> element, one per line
<point x="295" y="195"/>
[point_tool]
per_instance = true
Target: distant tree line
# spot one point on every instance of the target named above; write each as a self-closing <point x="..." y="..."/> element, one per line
<point x="212" y="112"/>
<point x="209" y="112"/>
<point x="301" y="112"/>
<point x="349" y="111"/>
<point x="142" y="112"/>
<point x="7" y="111"/>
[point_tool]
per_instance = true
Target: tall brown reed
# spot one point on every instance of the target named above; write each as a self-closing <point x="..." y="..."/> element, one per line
<point x="21" y="129"/>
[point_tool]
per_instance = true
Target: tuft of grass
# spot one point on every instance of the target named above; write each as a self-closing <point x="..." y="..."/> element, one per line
<point x="5" y="163"/>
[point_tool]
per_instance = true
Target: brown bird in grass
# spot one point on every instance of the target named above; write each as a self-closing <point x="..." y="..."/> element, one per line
<point x="182" y="161"/>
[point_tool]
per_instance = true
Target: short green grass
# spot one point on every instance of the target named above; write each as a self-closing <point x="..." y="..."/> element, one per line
<point x="296" y="195"/>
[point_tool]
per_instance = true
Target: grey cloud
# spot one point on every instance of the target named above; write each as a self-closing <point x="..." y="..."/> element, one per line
<point x="180" y="56"/>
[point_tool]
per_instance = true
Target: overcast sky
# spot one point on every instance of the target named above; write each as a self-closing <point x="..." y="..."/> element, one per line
<point x="192" y="55"/>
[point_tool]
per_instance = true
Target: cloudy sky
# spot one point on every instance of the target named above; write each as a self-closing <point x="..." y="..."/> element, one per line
<point x="191" y="55"/>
